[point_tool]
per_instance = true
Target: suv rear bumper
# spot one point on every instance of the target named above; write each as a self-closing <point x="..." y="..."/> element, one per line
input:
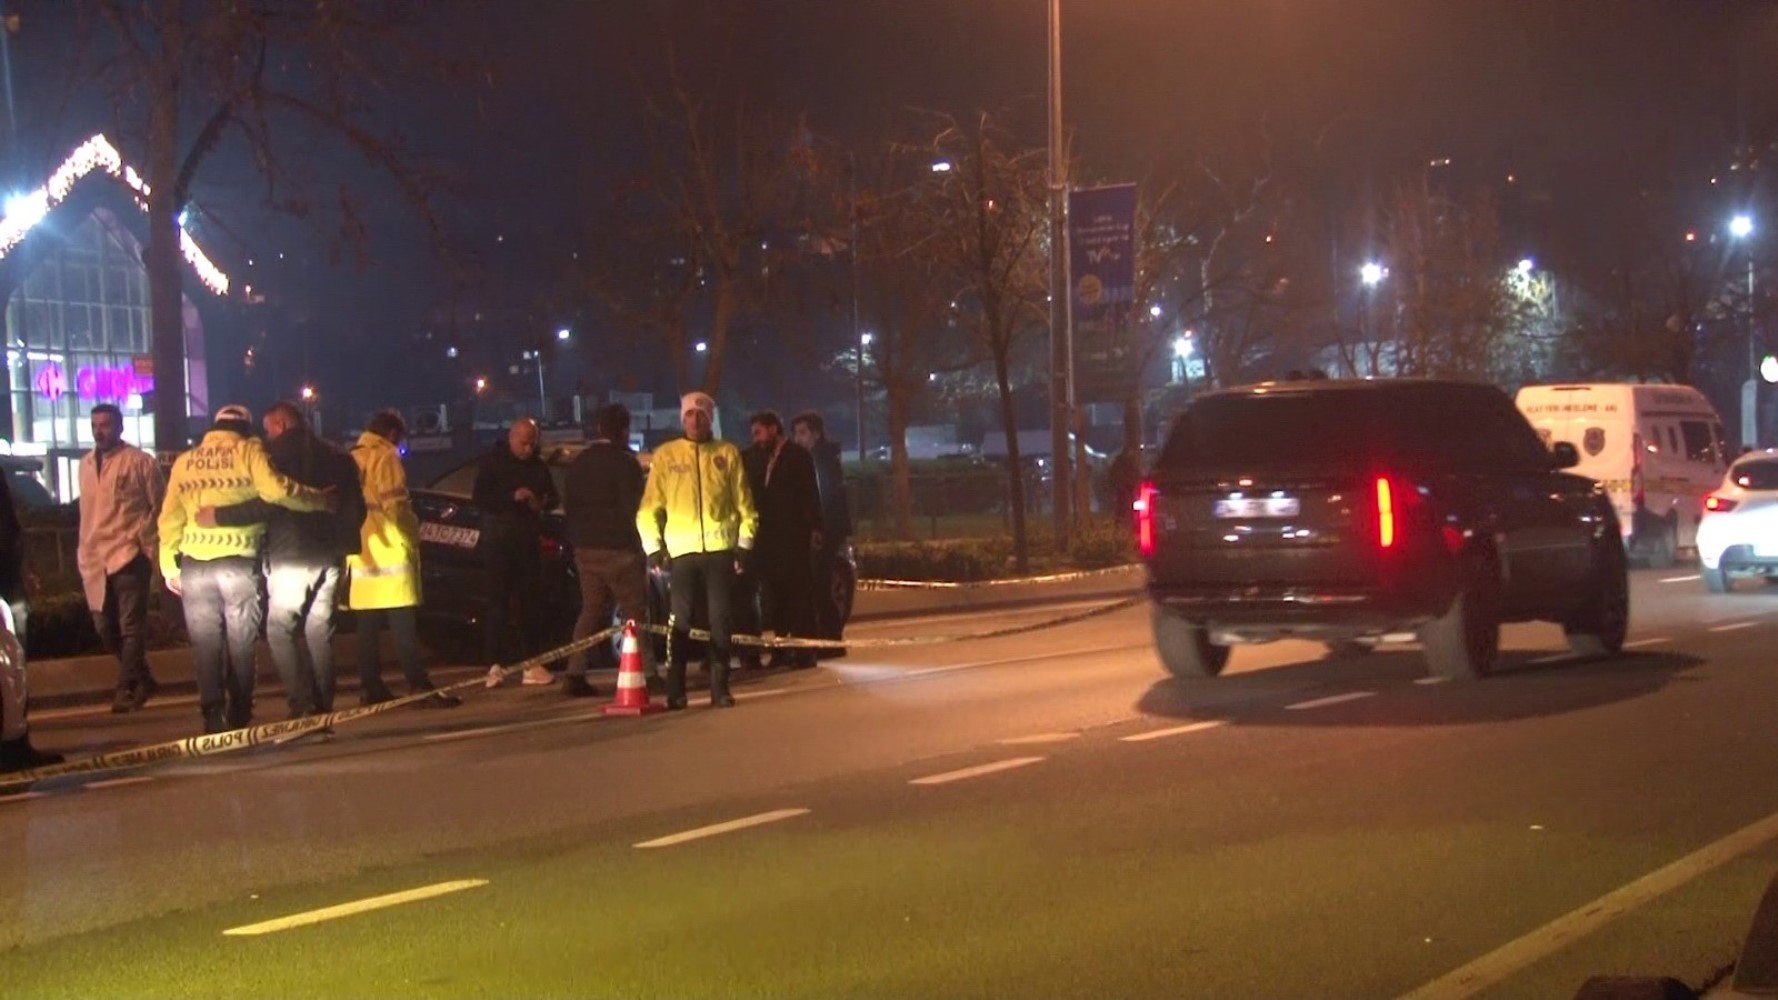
<point x="1261" y="613"/>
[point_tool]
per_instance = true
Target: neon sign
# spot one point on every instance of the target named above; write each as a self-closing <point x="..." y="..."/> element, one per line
<point x="91" y="382"/>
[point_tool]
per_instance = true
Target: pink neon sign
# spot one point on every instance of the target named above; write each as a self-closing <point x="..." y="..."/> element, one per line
<point x="91" y="382"/>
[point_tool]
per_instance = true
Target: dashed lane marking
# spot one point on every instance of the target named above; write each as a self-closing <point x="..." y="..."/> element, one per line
<point x="1503" y="962"/>
<point x="1161" y="734"/>
<point x="1039" y="738"/>
<point x="1681" y="579"/>
<point x="1733" y="626"/>
<point x="353" y="908"/>
<point x="116" y="782"/>
<point x="718" y="829"/>
<point x="1430" y="680"/>
<point x="1330" y="700"/>
<point x="1656" y="640"/>
<point x="1552" y="658"/>
<point x="975" y="772"/>
<point x="510" y="727"/>
<point x="22" y="796"/>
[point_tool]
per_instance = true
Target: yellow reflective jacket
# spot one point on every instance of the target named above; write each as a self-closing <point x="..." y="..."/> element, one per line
<point x="386" y="571"/>
<point x="225" y="468"/>
<point x="700" y="493"/>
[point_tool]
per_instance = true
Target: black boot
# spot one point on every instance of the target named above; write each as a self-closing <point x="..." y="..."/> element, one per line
<point x="20" y="755"/>
<point x="719" y="695"/>
<point x="214" y="720"/>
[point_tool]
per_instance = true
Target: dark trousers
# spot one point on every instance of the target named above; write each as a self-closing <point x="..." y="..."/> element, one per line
<point x="786" y="598"/>
<point x="299" y="628"/>
<point x="703" y="580"/>
<point x="514" y="568"/>
<point x="610" y="578"/>
<point x="223" y="616"/>
<point x="404" y="625"/>
<point x="827" y="609"/>
<point x="122" y="623"/>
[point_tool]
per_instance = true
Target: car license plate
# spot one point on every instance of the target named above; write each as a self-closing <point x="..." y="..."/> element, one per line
<point x="447" y="534"/>
<point x="1255" y="507"/>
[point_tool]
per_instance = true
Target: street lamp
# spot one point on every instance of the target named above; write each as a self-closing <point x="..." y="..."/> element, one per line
<point x="536" y="357"/>
<point x="1372" y="274"/>
<point x="1741" y="228"/>
<point x="564" y="333"/>
<point x="481" y="385"/>
<point x="1526" y="265"/>
<point x="1061" y="331"/>
<point x="1154" y="311"/>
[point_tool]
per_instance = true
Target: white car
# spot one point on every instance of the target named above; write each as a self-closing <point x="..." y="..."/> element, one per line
<point x="16" y="752"/>
<point x="1738" y="535"/>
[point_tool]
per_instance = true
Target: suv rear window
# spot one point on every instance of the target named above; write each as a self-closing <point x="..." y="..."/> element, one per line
<point x="1757" y="474"/>
<point x="1444" y="424"/>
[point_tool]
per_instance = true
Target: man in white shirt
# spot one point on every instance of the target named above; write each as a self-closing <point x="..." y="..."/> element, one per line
<point x="120" y="497"/>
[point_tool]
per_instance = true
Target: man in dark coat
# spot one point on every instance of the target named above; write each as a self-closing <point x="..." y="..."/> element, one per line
<point x="513" y="488"/>
<point x="305" y="555"/>
<point x="810" y="431"/>
<point x="601" y="493"/>
<point x="781" y="474"/>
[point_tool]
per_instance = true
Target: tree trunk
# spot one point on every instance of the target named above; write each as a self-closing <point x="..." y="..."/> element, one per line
<point x="901" y="494"/>
<point x="722" y="317"/>
<point x="1015" y="472"/>
<point x="164" y="260"/>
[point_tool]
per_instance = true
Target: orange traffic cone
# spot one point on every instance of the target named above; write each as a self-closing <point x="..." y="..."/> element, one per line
<point x="632" y="685"/>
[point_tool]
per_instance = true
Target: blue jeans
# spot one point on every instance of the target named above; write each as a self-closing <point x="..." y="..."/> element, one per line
<point x="299" y="628"/>
<point x="223" y="615"/>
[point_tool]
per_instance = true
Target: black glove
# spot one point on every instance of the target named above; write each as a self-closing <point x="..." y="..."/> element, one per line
<point x="657" y="560"/>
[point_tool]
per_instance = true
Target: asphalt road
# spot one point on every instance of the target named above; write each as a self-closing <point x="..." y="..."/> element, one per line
<point x="1044" y="815"/>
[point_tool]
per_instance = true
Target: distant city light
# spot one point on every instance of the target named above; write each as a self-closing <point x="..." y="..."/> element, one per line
<point x="1525" y="265"/>
<point x="308" y="393"/>
<point x="865" y="339"/>
<point x="1155" y="311"/>
<point x="1182" y="346"/>
<point x="481" y="384"/>
<point x="1741" y="226"/>
<point x="941" y="166"/>
<point x="450" y="352"/>
<point x="564" y="333"/>
<point x="1372" y="273"/>
<point x="701" y="347"/>
<point x="1768" y="368"/>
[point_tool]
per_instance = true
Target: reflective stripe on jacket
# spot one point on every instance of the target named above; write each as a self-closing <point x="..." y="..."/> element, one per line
<point x="700" y="491"/>
<point x="225" y="468"/>
<point x="386" y="570"/>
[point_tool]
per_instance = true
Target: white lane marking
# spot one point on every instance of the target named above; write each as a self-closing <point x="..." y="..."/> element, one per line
<point x="1552" y="658"/>
<point x="22" y="796"/>
<point x="1160" y="734"/>
<point x="975" y="772"/>
<point x="352" y="908"/>
<point x="115" y="782"/>
<point x="717" y="829"/>
<point x="1682" y="579"/>
<point x="908" y="623"/>
<point x="1733" y="626"/>
<point x="1496" y="966"/>
<point x="1330" y="700"/>
<point x="1430" y="680"/>
<point x="1647" y="642"/>
<point x="769" y="692"/>
<point x="1037" y="738"/>
<point x="510" y="727"/>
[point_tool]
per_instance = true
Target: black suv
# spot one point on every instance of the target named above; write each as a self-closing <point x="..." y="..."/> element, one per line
<point x="1348" y="512"/>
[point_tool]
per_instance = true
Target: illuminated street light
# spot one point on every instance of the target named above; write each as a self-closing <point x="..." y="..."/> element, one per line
<point x="941" y="166"/>
<point x="1741" y="227"/>
<point x="563" y="334"/>
<point x="864" y="339"/>
<point x="308" y="393"/>
<point x="1525" y="265"/>
<point x="1768" y="368"/>
<point x="450" y="352"/>
<point x="700" y="347"/>
<point x="481" y="385"/>
<point x="1182" y="347"/>
<point x="1155" y="311"/>
<point x="1372" y="274"/>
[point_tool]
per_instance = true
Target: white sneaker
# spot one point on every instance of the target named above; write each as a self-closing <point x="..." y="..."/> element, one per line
<point x="538" y="676"/>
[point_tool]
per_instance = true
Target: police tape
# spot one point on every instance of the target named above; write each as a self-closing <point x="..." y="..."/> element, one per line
<point x="273" y="733"/>
<point x="703" y="635"/>
<point x="1069" y="577"/>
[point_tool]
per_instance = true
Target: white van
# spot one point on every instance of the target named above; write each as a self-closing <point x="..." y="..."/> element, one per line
<point x="1659" y="450"/>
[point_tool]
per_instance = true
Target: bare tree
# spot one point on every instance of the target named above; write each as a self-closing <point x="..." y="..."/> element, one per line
<point x="187" y="77"/>
<point x="989" y="236"/>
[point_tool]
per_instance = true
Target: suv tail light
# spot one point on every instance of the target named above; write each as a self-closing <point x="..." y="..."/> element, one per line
<point x="1144" y="510"/>
<point x="1386" y="515"/>
<point x="1718" y="504"/>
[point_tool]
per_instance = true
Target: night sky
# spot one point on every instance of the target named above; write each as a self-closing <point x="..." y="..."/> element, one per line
<point x="1586" y="100"/>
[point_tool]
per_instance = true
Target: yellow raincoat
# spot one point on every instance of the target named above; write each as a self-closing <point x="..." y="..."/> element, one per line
<point x="386" y="571"/>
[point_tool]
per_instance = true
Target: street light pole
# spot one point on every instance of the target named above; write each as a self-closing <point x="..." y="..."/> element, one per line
<point x="1741" y="228"/>
<point x="1061" y="334"/>
<point x="858" y="336"/>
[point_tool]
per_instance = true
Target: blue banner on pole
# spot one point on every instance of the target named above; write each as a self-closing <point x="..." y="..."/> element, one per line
<point x="1102" y="249"/>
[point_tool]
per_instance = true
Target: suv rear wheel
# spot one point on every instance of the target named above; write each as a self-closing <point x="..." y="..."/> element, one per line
<point x="1186" y="649"/>
<point x="1462" y="644"/>
<point x="1598" y="630"/>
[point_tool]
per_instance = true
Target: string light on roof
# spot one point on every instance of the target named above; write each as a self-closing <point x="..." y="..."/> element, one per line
<point x="25" y="211"/>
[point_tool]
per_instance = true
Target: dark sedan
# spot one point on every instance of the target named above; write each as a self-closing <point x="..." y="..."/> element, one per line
<point x="456" y="597"/>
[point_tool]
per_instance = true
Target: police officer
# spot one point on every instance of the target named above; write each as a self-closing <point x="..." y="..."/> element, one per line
<point x="216" y="569"/>
<point x="385" y="573"/>
<point x="698" y="520"/>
